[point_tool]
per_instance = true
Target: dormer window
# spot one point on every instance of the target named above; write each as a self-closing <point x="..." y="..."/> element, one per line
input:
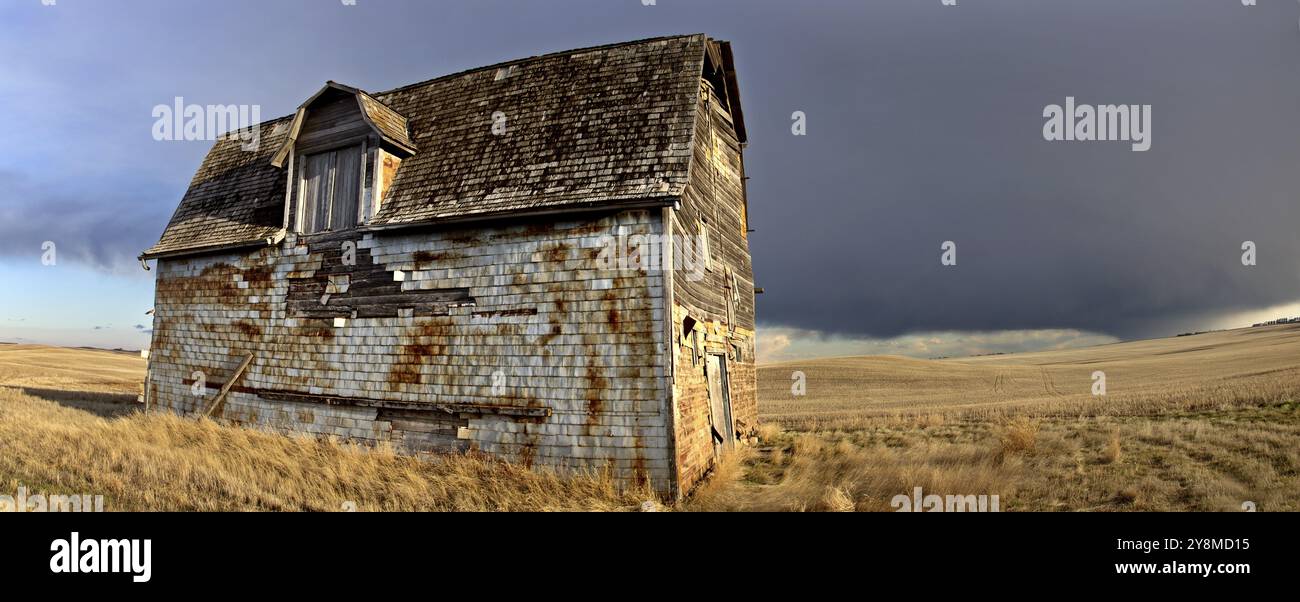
<point x="342" y="153"/>
<point x="332" y="188"/>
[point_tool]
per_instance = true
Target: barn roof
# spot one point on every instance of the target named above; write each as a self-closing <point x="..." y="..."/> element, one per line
<point x="584" y="128"/>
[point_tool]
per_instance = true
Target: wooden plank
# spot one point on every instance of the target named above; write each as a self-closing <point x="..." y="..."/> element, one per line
<point x="406" y="299"/>
<point x="451" y="408"/>
<point x="229" y="383"/>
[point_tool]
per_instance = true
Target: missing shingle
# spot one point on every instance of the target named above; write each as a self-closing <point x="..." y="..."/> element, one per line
<point x="506" y="72"/>
<point x="338" y="284"/>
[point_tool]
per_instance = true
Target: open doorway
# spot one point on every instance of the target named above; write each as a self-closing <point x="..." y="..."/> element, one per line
<point x="724" y="431"/>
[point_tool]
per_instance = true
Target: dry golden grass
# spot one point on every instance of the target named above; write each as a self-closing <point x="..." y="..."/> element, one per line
<point x="1194" y="423"/>
<point x="1114" y="451"/>
<point x="1211" y="461"/>
<point x="1019" y="435"/>
<point x="1191" y="423"/>
<point x="57" y="436"/>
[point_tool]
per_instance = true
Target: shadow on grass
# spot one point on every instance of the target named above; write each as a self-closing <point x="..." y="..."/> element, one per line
<point x="107" y="405"/>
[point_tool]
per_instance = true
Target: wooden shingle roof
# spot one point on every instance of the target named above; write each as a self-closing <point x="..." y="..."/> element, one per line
<point x="390" y="124"/>
<point x="592" y="127"/>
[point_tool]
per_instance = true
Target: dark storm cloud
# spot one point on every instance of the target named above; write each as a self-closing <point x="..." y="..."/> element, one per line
<point x="99" y="225"/>
<point x="924" y="125"/>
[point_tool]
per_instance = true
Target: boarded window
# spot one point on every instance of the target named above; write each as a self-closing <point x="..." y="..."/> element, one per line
<point x="331" y="190"/>
<point x="691" y="339"/>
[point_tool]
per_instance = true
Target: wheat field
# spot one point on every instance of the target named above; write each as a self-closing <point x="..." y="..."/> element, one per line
<point x="1204" y="422"/>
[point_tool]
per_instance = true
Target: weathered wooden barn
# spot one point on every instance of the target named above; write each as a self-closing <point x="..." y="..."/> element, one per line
<point x="431" y="267"/>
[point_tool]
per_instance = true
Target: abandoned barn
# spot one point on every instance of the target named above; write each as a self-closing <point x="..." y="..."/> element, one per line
<point x="496" y="260"/>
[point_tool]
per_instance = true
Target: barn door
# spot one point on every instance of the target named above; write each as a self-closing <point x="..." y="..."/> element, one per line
<point x="724" y="434"/>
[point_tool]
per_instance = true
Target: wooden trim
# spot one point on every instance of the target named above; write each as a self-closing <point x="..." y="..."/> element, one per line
<point x="298" y="117"/>
<point x="667" y="216"/>
<point x="362" y="206"/>
<point x="377" y="185"/>
<point x="450" y="408"/>
<point x="300" y="187"/>
<point x="589" y="207"/>
<point x="733" y="92"/>
<point x="333" y="146"/>
<point x="289" y="190"/>
<point x="260" y="242"/>
<point x="396" y="145"/>
<point x="502" y="216"/>
<point x="334" y="400"/>
<point x="671" y="348"/>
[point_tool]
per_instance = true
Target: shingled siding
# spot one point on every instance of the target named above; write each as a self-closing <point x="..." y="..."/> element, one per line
<point x="713" y="203"/>
<point x="576" y="352"/>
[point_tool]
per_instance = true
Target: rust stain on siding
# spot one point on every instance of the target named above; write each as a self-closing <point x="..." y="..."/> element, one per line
<point x="425" y="260"/>
<point x="558" y="253"/>
<point x="315" y="329"/>
<point x="248" y="329"/>
<point x="259" y="275"/>
<point x="416" y="352"/>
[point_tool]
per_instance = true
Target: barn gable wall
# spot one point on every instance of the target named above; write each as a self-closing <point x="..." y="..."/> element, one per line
<point x="507" y="339"/>
<point x="713" y="204"/>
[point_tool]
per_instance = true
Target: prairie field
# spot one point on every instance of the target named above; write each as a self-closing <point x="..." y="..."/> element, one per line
<point x="1218" y="370"/>
<point x="1204" y="422"/>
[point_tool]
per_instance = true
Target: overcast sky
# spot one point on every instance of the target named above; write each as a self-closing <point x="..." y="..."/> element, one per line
<point x="924" y="125"/>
